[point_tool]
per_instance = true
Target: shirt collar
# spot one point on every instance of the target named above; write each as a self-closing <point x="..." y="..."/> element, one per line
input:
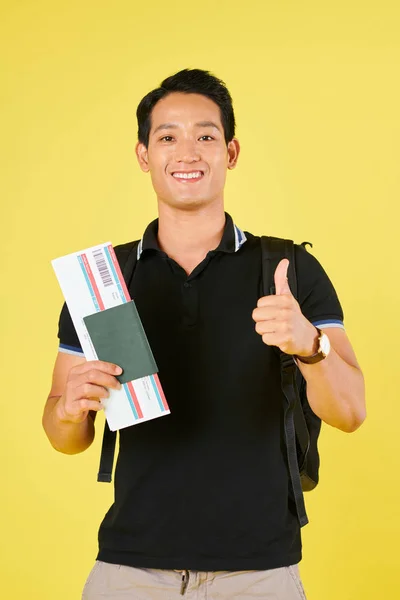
<point x="232" y="239"/>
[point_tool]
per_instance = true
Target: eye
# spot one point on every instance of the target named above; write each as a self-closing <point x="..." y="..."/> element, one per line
<point x="166" y="138"/>
<point x="206" y="136"/>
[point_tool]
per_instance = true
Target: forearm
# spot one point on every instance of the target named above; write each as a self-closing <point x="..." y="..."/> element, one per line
<point x="335" y="391"/>
<point x="65" y="436"/>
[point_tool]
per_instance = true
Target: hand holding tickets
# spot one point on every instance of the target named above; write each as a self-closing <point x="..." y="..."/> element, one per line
<point x="109" y="328"/>
<point x="279" y="319"/>
<point x="86" y="385"/>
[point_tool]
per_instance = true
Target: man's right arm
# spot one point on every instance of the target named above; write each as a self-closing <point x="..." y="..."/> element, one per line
<point x="74" y="399"/>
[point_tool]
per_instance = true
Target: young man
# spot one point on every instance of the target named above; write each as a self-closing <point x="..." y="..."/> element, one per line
<point x="203" y="506"/>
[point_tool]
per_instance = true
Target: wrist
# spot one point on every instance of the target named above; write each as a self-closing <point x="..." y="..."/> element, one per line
<point x="312" y="345"/>
<point x="321" y="352"/>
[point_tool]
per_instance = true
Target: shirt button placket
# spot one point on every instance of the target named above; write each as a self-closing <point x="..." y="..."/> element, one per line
<point x="190" y="304"/>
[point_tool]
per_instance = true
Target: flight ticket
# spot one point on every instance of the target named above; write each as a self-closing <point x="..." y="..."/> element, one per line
<point x="91" y="281"/>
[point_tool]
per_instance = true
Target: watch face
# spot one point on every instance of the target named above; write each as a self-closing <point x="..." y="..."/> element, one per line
<point x="325" y="344"/>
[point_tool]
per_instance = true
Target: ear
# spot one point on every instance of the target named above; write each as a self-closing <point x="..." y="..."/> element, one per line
<point x="142" y="156"/>
<point x="233" y="153"/>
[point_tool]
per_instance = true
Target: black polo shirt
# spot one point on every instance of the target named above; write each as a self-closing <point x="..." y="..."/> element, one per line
<point x="207" y="487"/>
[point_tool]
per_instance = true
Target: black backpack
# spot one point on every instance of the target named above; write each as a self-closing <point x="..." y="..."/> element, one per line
<point x="301" y="424"/>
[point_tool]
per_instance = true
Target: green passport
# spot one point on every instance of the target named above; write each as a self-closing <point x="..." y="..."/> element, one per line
<point x="118" y="337"/>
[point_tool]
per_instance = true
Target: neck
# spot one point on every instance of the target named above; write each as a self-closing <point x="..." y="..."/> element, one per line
<point x="187" y="236"/>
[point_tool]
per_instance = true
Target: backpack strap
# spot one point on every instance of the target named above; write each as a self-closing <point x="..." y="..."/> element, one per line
<point x="127" y="258"/>
<point x="273" y="250"/>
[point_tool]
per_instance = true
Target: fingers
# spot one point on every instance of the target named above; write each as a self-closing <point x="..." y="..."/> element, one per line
<point x="77" y="411"/>
<point x="98" y="365"/>
<point x="269" y="313"/>
<point x="275" y="339"/>
<point x="88" y="390"/>
<point x="86" y="385"/>
<point x="266" y="327"/>
<point x="85" y="405"/>
<point x="274" y="326"/>
<point x="275" y="301"/>
<point x="97" y="377"/>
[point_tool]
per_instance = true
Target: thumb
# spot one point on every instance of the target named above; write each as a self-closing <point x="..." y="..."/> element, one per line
<point x="280" y="278"/>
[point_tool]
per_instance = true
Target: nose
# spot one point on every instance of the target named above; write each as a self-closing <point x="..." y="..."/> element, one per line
<point x="186" y="151"/>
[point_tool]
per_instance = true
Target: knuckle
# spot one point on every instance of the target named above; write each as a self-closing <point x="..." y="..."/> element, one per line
<point x="107" y="366"/>
<point x="83" y="404"/>
<point x="262" y="301"/>
<point x="86" y="403"/>
<point x="86" y="388"/>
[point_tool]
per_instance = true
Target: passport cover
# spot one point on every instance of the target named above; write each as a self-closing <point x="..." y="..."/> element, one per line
<point x="118" y="337"/>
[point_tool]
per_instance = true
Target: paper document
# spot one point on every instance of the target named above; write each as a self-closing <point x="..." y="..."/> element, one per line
<point x="91" y="281"/>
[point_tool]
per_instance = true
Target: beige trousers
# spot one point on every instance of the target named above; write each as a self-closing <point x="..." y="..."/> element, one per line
<point x="118" y="581"/>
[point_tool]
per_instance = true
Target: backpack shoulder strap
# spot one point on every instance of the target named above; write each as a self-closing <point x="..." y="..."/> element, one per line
<point x="273" y="250"/>
<point x="127" y="255"/>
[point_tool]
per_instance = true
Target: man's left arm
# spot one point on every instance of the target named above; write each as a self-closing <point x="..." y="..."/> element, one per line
<point x="335" y="385"/>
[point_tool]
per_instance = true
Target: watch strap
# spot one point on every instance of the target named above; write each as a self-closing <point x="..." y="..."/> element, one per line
<point x="314" y="358"/>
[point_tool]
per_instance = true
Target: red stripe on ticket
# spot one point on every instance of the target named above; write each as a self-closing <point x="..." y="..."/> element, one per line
<point x="92" y="281"/>
<point x="135" y="400"/>
<point x="158" y="384"/>
<point x="119" y="272"/>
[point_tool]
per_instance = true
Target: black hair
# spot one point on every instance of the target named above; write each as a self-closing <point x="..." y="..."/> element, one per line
<point x="188" y="81"/>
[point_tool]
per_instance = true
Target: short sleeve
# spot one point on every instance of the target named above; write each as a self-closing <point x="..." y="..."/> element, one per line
<point x="316" y="295"/>
<point x="69" y="341"/>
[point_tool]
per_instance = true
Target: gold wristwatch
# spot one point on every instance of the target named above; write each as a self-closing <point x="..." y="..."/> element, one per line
<point x="324" y="348"/>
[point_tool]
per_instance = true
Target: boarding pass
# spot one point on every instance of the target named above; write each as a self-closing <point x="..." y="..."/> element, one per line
<point x="91" y="281"/>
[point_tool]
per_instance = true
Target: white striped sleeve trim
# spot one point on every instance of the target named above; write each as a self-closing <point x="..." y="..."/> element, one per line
<point x="70" y="350"/>
<point x="329" y="324"/>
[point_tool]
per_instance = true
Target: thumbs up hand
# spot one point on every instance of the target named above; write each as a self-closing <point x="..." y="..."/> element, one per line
<point x="279" y="319"/>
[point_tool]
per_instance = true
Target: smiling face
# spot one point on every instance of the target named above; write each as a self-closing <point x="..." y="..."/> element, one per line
<point x="187" y="155"/>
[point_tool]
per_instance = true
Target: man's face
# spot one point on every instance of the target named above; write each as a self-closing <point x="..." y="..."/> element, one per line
<point x="187" y="155"/>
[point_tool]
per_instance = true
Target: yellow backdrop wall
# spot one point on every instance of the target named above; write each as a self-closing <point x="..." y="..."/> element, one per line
<point x="316" y="93"/>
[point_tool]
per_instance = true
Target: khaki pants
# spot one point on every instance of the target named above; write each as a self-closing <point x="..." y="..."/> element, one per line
<point x="117" y="581"/>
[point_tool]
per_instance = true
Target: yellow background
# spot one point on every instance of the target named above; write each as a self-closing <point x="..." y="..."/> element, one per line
<point x="316" y="93"/>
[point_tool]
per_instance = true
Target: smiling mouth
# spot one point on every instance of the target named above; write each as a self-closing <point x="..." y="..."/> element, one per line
<point x="188" y="176"/>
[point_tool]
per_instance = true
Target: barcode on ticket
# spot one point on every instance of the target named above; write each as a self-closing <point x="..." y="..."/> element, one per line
<point x="103" y="268"/>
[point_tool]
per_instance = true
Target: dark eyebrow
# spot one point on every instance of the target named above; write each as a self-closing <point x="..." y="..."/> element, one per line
<point x="165" y="126"/>
<point x="175" y="126"/>
<point x="207" y="124"/>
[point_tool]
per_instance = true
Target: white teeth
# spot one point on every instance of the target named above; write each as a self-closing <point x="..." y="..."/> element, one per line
<point x="187" y="175"/>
